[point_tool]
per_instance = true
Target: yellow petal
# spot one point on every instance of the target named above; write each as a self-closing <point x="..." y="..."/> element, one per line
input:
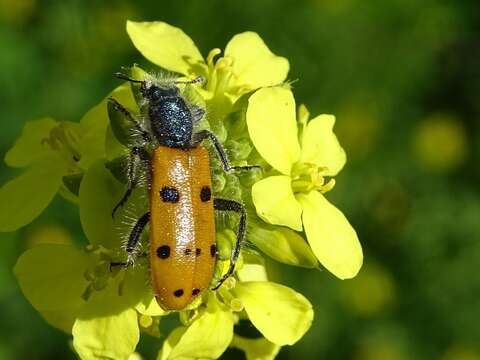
<point x="282" y="315"/>
<point x="208" y="336"/>
<point x="30" y="145"/>
<point x="166" y="46"/>
<point x="272" y="127"/>
<point x="321" y="147"/>
<point x="332" y="238"/>
<point x="59" y="304"/>
<point x="275" y="203"/>
<point x="254" y="65"/>
<point x="109" y="337"/>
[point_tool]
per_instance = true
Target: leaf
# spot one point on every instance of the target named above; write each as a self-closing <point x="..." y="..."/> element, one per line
<point x="275" y="203"/>
<point x="166" y="46"/>
<point x="330" y="235"/>
<point x="110" y="337"/>
<point x="208" y="336"/>
<point x="51" y="277"/>
<point x="282" y="315"/>
<point x="283" y="245"/>
<point x="23" y="198"/>
<point x="272" y="127"/>
<point x="29" y="146"/>
<point x="99" y="193"/>
<point x="254" y="65"/>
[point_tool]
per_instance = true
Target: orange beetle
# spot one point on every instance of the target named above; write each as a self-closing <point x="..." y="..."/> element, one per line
<point x="182" y="224"/>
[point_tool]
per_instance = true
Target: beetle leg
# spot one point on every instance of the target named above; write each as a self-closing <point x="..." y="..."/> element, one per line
<point x="121" y="263"/>
<point x="134" y="238"/>
<point x="135" y="154"/>
<point x="138" y="126"/>
<point x="232" y="205"/>
<point x="197" y="112"/>
<point x="204" y="134"/>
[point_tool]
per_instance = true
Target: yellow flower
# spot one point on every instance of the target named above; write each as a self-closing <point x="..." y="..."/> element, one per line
<point x="293" y="195"/>
<point x="247" y="64"/>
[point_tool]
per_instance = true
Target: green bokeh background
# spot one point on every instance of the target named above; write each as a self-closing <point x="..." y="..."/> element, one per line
<point x="403" y="78"/>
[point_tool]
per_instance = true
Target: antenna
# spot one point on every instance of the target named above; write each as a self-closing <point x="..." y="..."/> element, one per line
<point x="126" y="77"/>
<point x="198" y="79"/>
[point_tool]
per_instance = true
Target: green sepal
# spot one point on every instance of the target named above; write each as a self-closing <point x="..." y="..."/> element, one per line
<point x="240" y="149"/>
<point x="218" y="180"/>
<point x="120" y="122"/>
<point x="95" y="124"/>
<point x="282" y="244"/>
<point x="118" y="168"/>
<point x="250" y="177"/>
<point x="236" y="123"/>
<point x="72" y="182"/>
<point x="225" y="240"/>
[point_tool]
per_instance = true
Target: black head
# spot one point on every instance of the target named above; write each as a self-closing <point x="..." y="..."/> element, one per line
<point x="153" y="93"/>
<point x="170" y="117"/>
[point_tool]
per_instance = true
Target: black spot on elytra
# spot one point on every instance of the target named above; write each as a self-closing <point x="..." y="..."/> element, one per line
<point x="195" y="292"/>
<point x="205" y="194"/>
<point x="198" y="251"/>
<point x="188" y="252"/>
<point x="169" y="194"/>
<point x="213" y="250"/>
<point x="178" y="292"/>
<point x="163" y="252"/>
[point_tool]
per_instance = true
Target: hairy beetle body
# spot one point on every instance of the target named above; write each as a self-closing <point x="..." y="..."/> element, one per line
<point x="181" y="214"/>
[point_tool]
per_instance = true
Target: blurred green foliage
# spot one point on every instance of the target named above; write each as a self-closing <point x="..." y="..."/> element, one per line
<point x="403" y="78"/>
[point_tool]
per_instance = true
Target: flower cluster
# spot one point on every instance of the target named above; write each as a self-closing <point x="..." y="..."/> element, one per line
<point x="252" y="111"/>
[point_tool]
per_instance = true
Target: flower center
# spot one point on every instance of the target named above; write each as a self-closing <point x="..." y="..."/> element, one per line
<point x="219" y="72"/>
<point x="307" y="177"/>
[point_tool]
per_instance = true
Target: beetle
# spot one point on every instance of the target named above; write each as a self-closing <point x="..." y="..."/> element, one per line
<point x="181" y="204"/>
